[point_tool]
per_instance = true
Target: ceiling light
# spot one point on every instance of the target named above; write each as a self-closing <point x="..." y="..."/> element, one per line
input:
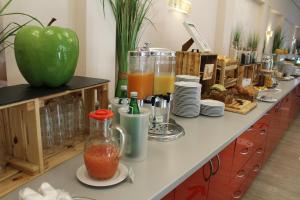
<point x="184" y="6"/>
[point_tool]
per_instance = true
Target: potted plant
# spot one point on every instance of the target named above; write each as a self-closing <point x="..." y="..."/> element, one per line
<point x="252" y="44"/>
<point x="130" y="16"/>
<point x="278" y="40"/>
<point x="236" y="43"/>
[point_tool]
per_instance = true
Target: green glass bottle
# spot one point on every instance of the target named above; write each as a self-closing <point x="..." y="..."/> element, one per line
<point x="133" y="105"/>
<point x="123" y="97"/>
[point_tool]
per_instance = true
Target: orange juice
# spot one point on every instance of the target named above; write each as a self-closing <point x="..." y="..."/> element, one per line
<point x="164" y="83"/>
<point x="141" y="83"/>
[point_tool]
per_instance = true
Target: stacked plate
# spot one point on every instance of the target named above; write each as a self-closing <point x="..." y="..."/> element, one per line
<point x="187" y="78"/>
<point x="212" y="108"/>
<point x="186" y="99"/>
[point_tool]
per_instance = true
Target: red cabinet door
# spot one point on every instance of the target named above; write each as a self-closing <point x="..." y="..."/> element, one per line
<point x="170" y="196"/>
<point x="219" y="182"/>
<point x="286" y="113"/>
<point x="298" y="98"/>
<point x="196" y="186"/>
<point x="243" y="150"/>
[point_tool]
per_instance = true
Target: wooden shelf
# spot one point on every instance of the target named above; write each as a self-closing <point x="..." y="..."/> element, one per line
<point x="9" y="172"/>
<point x="20" y="128"/>
<point x="58" y="158"/>
<point x="20" y="94"/>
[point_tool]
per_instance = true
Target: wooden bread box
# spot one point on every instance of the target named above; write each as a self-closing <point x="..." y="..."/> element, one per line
<point x="194" y="63"/>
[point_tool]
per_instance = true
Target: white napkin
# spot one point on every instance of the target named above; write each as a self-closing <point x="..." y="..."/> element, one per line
<point x="47" y="192"/>
<point x="29" y="194"/>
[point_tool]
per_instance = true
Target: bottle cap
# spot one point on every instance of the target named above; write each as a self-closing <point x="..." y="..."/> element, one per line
<point x="133" y="94"/>
<point x="123" y="87"/>
<point x="101" y="115"/>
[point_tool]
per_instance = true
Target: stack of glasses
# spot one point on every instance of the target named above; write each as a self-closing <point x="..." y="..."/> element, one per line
<point x="186" y="99"/>
<point x="62" y="123"/>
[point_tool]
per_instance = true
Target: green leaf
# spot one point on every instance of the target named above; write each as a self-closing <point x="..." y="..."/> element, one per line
<point x="130" y="16"/>
<point x="5" y="6"/>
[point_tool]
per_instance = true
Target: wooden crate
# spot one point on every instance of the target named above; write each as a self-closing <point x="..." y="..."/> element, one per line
<point x="227" y="73"/>
<point x="20" y="131"/>
<point x="193" y="63"/>
<point x="248" y="71"/>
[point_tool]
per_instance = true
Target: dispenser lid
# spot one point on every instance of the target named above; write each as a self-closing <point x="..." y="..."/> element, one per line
<point x="101" y="115"/>
<point x="146" y="51"/>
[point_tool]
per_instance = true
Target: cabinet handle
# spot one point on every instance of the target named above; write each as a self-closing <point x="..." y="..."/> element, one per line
<point x="259" y="151"/>
<point x="244" y="151"/>
<point x="241" y="174"/>
<point x="237" y="194"/>
<point x="262" y="132"/>
<point x="250" y="129"/>
<point x="218" y="167"/>
<point x="256" y="168"/>
<point x="211" y="169"/>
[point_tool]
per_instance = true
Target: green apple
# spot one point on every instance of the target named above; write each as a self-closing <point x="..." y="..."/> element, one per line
<point x="46" y="56"/>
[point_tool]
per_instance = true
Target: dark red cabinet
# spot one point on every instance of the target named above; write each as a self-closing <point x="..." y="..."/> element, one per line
<point x="170" y="196"/>
<point x="219" y="182"/>
<point x="229" y="175"/>
<point x="196" y="186"/>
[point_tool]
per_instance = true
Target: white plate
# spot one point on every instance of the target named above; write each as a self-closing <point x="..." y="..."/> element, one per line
<point x="270" y="91"/>
<point x="84" y="177"/>
<point x="212" y="103"/>
<point x="269" y="100"/>
<point x="288" y="78"/>
<point x="188" y="77"/>
<point x="188" y="84"/>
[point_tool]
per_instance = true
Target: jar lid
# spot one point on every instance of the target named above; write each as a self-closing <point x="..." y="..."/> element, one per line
<point x="155" y="52"/>
<point x="101" y="114"/>
<point x="162" y="52"/>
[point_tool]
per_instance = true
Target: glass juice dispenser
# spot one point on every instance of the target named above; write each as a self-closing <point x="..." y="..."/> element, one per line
<point x="140" y="72"/>
<point x="151" y="71"/>
<point x="164" y="67"/>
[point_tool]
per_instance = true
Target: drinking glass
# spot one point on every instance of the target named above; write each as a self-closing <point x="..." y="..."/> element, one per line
<point x="58" y="122"/>
<point x="79" y="114"/>
<point x="47" y="130"/>
<point x="69" y="119"/>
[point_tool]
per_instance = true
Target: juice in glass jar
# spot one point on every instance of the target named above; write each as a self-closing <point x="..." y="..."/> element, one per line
<point x="142" y="83"/>
<point x="164" y="83"/>
<point x="101" y="161"/>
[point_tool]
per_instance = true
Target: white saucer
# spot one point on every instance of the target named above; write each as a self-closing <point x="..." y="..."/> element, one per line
<point x="84" y="177"/>
<point x="288" y="78"/>
<point x="269" y="100"/>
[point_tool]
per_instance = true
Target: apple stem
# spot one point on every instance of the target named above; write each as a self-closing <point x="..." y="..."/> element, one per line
<point x="52" y="21"/>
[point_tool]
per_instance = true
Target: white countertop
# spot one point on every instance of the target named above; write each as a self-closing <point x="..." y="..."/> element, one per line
<point x="168" y="164"/>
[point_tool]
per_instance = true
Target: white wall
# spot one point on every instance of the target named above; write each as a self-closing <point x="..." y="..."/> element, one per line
<point x="288" y="30"/>
<point x="253" y="16"/>
<point x="275" y="21"/>
<point x="169" y="31"/>
<point x="100" y="43"/>
<point x="248" y="14"/>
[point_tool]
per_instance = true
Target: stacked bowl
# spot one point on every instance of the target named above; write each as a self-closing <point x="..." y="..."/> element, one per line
<point x="186" y="99"/>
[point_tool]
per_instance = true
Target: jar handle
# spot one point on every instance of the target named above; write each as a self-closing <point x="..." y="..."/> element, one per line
<point x="122" y="139"/>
